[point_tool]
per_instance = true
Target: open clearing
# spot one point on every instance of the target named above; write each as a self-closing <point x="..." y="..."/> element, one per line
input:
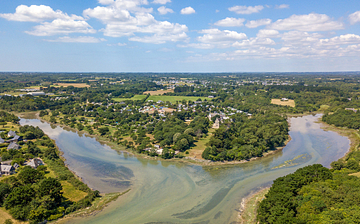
<point x="71" y="193"/>
<point x="290" y="103"/>
<point x="173" y="99"/>
<point x="14" y="93"/>
<point x="159" y="92"/>
<point x="136" y="97"/>
<point x="4" y="215"/>
<point x="200" y="145"/>
<point x="78" y="85"/>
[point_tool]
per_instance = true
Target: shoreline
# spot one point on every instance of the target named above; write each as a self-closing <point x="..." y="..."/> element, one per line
<point x="250" y="201"/>
<point x="188" y="160"/>
<point x="248" y="206"/>
<point x="98" y="204"/>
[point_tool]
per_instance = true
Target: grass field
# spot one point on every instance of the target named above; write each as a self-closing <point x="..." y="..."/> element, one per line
<point x="173" y="99"/>
<point x="197" y="151"/>
<point x="13" y="93"/>
<point x="33" y="87"/>
<point x="79" y="85"/>
<point x="136" y="97"/>
<point x="290" y="103"/>
<point x="159" y="92"/>
<point x="71" y="193"/>
<point x="4" y="215"/>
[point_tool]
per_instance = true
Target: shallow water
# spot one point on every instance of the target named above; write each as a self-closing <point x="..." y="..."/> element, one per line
<point x="172" y="192"/>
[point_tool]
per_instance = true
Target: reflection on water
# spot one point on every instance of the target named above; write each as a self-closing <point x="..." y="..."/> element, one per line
<point x="174" y="192"/>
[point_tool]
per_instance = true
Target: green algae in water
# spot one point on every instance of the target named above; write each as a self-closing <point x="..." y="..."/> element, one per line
<point x="297" y="160"/>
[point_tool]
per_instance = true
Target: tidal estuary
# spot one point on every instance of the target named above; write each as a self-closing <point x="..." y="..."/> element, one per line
<point x="174" y="192"/>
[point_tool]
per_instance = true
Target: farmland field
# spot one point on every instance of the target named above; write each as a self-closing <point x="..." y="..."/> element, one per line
<point x="290" y="103"/>
<point x="136" y="97"/>
<point x="159" y="92"/>
<point x="173" y="99"/>
<point x="79" y="85"/>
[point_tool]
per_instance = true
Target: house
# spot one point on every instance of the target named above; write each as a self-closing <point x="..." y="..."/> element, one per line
<point x="14" y="145"/>
<point x="37" y="94"/>
<point x="6" y="170"/>
<point x="11" y="134"/>
<point x="34" y="163"/>
<point x="16" y="165"/>
<point x="16" y="138"/>
<point x="284" y="99"/>
<point x="216" y="124"/>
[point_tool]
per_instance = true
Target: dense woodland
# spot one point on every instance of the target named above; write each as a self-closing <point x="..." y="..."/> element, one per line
<point x="245" y="138"/>
<point x="313" y="194"/>
<point x="343" y="118"/>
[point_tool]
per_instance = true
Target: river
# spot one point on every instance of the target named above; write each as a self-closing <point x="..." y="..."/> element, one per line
<point x="173" y="192"/>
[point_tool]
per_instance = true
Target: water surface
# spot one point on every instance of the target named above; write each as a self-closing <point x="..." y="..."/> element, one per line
<point x="173" y="192"/>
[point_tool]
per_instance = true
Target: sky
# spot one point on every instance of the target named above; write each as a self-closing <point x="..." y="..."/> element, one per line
<point x="179" y="36"/>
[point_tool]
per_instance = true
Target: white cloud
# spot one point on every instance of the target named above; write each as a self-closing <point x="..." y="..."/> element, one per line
<point x="230" y="22"/>
<point x="267" y="33"/>
<point x="128" y="18"/>
<point x="246" y="9"/>
<point x="108" y="14"/>
<point x="310" y="22"/>
<point x="130" y="5"/>
<point x="60" y="26"/>
<point x="197" y="45"/>
<point x="161" y="38"/>
<point x="341" y="40"/>
<point x="282" y="6"/>
<point x="253" y="42"/>
<point x="82" y="39"/>
<point x="37" y="13"/>
<point x="256" y="23"/>
<point x="355" y="17"/>
<point x="299" y="38"/>
<point x="163" y="10"/>
<point x="187" y="11"/>
<point x="163" y="2"/>
<point x="106" y="2"/>
<point x="216" y="36"/>
<point x="118" y="45"/>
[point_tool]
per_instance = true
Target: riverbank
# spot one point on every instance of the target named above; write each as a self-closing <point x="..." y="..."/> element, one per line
<point x="188" y="160"/>
<point x="249" y="204"/>
<point x="351" y="134"/>
<point x="71" y="185"/>
<point x="98" y="205"/>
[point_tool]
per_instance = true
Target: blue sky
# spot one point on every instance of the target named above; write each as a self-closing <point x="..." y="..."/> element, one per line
<point x="179" y="36"/>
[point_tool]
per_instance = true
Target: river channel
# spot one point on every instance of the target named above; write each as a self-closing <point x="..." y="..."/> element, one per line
<point x="173" y="192"/>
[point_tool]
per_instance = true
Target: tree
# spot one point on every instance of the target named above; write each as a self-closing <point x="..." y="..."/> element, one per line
<point x="29" y="175"/>
<point x="20" y="196"/>
<point x="352" y="164"/>
<point x="52" y="187"/>
<point x="176" y="136"/>
<point x="29" y="135"/>
<point x="4" y="191"/>
<point x="8" y="221"/>
<point x="103" y="130"/>
<point x="53" y="119"/>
